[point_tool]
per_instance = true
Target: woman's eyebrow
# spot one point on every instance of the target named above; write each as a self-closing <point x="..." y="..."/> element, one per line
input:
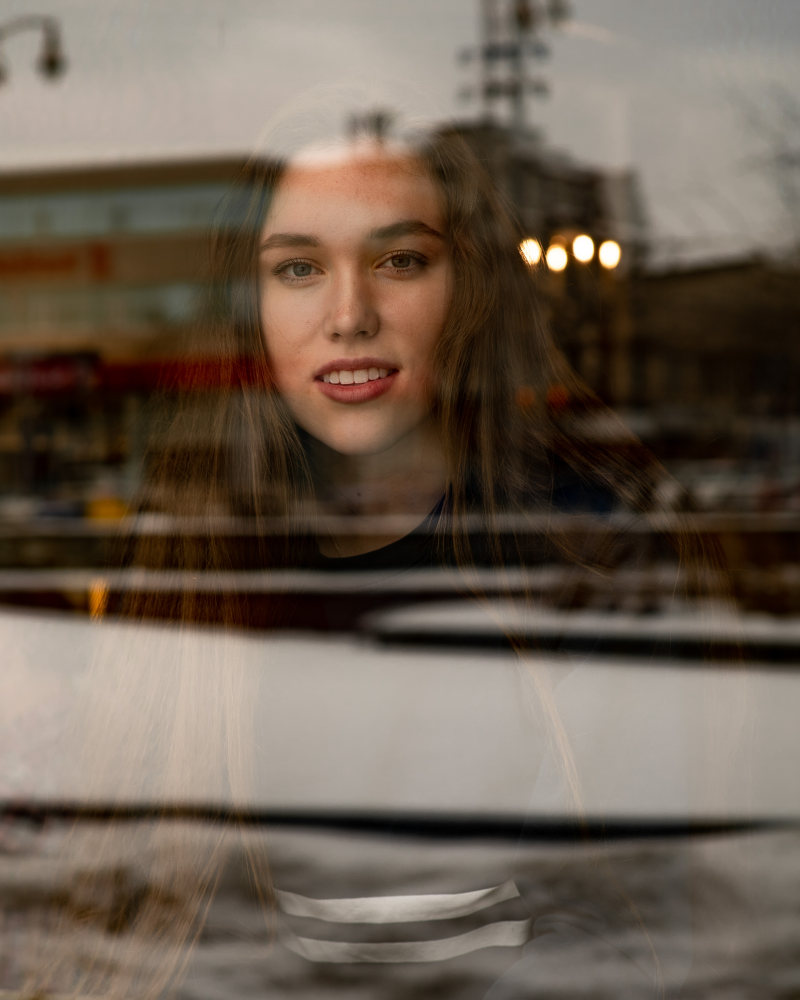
<point x="289" y="240"/>
<point x="406" y="227"/>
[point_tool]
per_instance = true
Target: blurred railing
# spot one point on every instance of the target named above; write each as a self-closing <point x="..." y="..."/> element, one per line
<point x="611" y="562"/>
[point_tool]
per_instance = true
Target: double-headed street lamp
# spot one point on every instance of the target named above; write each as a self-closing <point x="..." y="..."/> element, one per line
<point x="51" y="62"/>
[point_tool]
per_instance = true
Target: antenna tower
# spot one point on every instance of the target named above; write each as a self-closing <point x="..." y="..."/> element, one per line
<point x="512" y="44"/>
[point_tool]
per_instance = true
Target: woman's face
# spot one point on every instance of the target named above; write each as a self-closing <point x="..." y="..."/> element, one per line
<point x="355" y="288"/>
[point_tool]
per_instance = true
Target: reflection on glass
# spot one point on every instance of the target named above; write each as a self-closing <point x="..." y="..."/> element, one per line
<point x="609" y="254"/>
<point x="583" y="248"/>
<point x="556" y="257"/>
<point x="531" y="251"/>
<point x="394" y="662"/>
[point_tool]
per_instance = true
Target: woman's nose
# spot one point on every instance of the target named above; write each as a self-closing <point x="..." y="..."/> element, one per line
<point x="354" y="312"/>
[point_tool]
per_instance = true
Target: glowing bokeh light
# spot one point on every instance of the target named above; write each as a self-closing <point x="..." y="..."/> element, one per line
<point x="531" y="251"/>
<point x="583" y="248"/>
<point x="609" y="254"/>
<point x="556" y="257"/>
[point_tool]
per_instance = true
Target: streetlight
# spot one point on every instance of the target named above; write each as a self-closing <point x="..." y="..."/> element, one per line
<point x="583" y="248"/>
<point x="556" y="257"/>
<point x="51" y="62"/>
<point x="531" y="251"/>
<point x="609" y="254"/>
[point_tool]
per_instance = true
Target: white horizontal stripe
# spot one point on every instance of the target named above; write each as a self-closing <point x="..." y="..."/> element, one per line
<point x="503" y="934"/>
<point x="395" y="909"/>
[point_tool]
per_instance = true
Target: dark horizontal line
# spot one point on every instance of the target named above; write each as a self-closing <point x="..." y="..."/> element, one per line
<point x="302" y="615"/>
<point x="671" y="647"/>
<point x="452" y="826"/>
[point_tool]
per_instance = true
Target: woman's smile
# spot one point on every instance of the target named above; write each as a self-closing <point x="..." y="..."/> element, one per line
<point x="356" y="380"/>
<point x="348" y="376"/>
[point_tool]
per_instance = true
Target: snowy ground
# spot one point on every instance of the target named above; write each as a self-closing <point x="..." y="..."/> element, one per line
<point x="119" y="713"/>
<point x="722" y="915"/>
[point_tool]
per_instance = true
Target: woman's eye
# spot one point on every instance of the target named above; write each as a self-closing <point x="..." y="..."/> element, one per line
<point x="404" y="262"/>
<point x="296" y="270"/>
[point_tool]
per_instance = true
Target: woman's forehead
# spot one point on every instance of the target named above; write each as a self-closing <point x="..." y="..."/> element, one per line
<point x="362" y="176"/>
<point x="350" y="150"/>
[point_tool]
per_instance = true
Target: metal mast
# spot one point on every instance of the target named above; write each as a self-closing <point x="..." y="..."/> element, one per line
<point x="511" y="42"/>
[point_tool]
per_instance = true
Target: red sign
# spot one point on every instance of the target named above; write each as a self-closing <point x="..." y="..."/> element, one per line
<point x="90" y="262"/>
<point x="39" y="264"/>
<point x="48" y="375"/>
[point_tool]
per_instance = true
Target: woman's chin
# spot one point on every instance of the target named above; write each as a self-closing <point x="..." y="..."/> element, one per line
<point x="354" y="443"/>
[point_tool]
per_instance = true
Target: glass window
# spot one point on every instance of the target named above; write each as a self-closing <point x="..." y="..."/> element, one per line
<point x="399" y="542"/>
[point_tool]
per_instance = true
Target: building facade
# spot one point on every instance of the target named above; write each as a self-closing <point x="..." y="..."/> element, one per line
<point x="103" y="273"/>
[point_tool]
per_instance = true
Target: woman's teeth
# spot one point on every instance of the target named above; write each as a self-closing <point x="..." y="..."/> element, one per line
<point x="356" y="377"/>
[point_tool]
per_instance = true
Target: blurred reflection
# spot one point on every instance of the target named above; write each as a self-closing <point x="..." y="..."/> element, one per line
<point x="399" y="662"/>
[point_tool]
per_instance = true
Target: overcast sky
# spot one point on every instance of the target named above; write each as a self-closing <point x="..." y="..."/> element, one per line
<point x="696" y="95"/>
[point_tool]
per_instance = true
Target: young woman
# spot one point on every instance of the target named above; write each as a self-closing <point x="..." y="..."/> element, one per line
<point x="383" y="337"/>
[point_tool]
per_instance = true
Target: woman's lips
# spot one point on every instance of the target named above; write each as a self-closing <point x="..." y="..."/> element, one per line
<point x="355" y="380"/>
<point x="349" y="385"/>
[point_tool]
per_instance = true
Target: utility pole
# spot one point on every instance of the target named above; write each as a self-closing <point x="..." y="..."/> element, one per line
<point x="512" y="40"/>
<point x="510" y="48"/>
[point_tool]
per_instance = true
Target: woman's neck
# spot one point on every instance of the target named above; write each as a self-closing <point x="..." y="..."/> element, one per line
<point x="374" y="500"/>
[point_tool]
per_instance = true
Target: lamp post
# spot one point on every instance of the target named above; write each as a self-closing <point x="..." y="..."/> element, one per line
<point x="51" y="62"/>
